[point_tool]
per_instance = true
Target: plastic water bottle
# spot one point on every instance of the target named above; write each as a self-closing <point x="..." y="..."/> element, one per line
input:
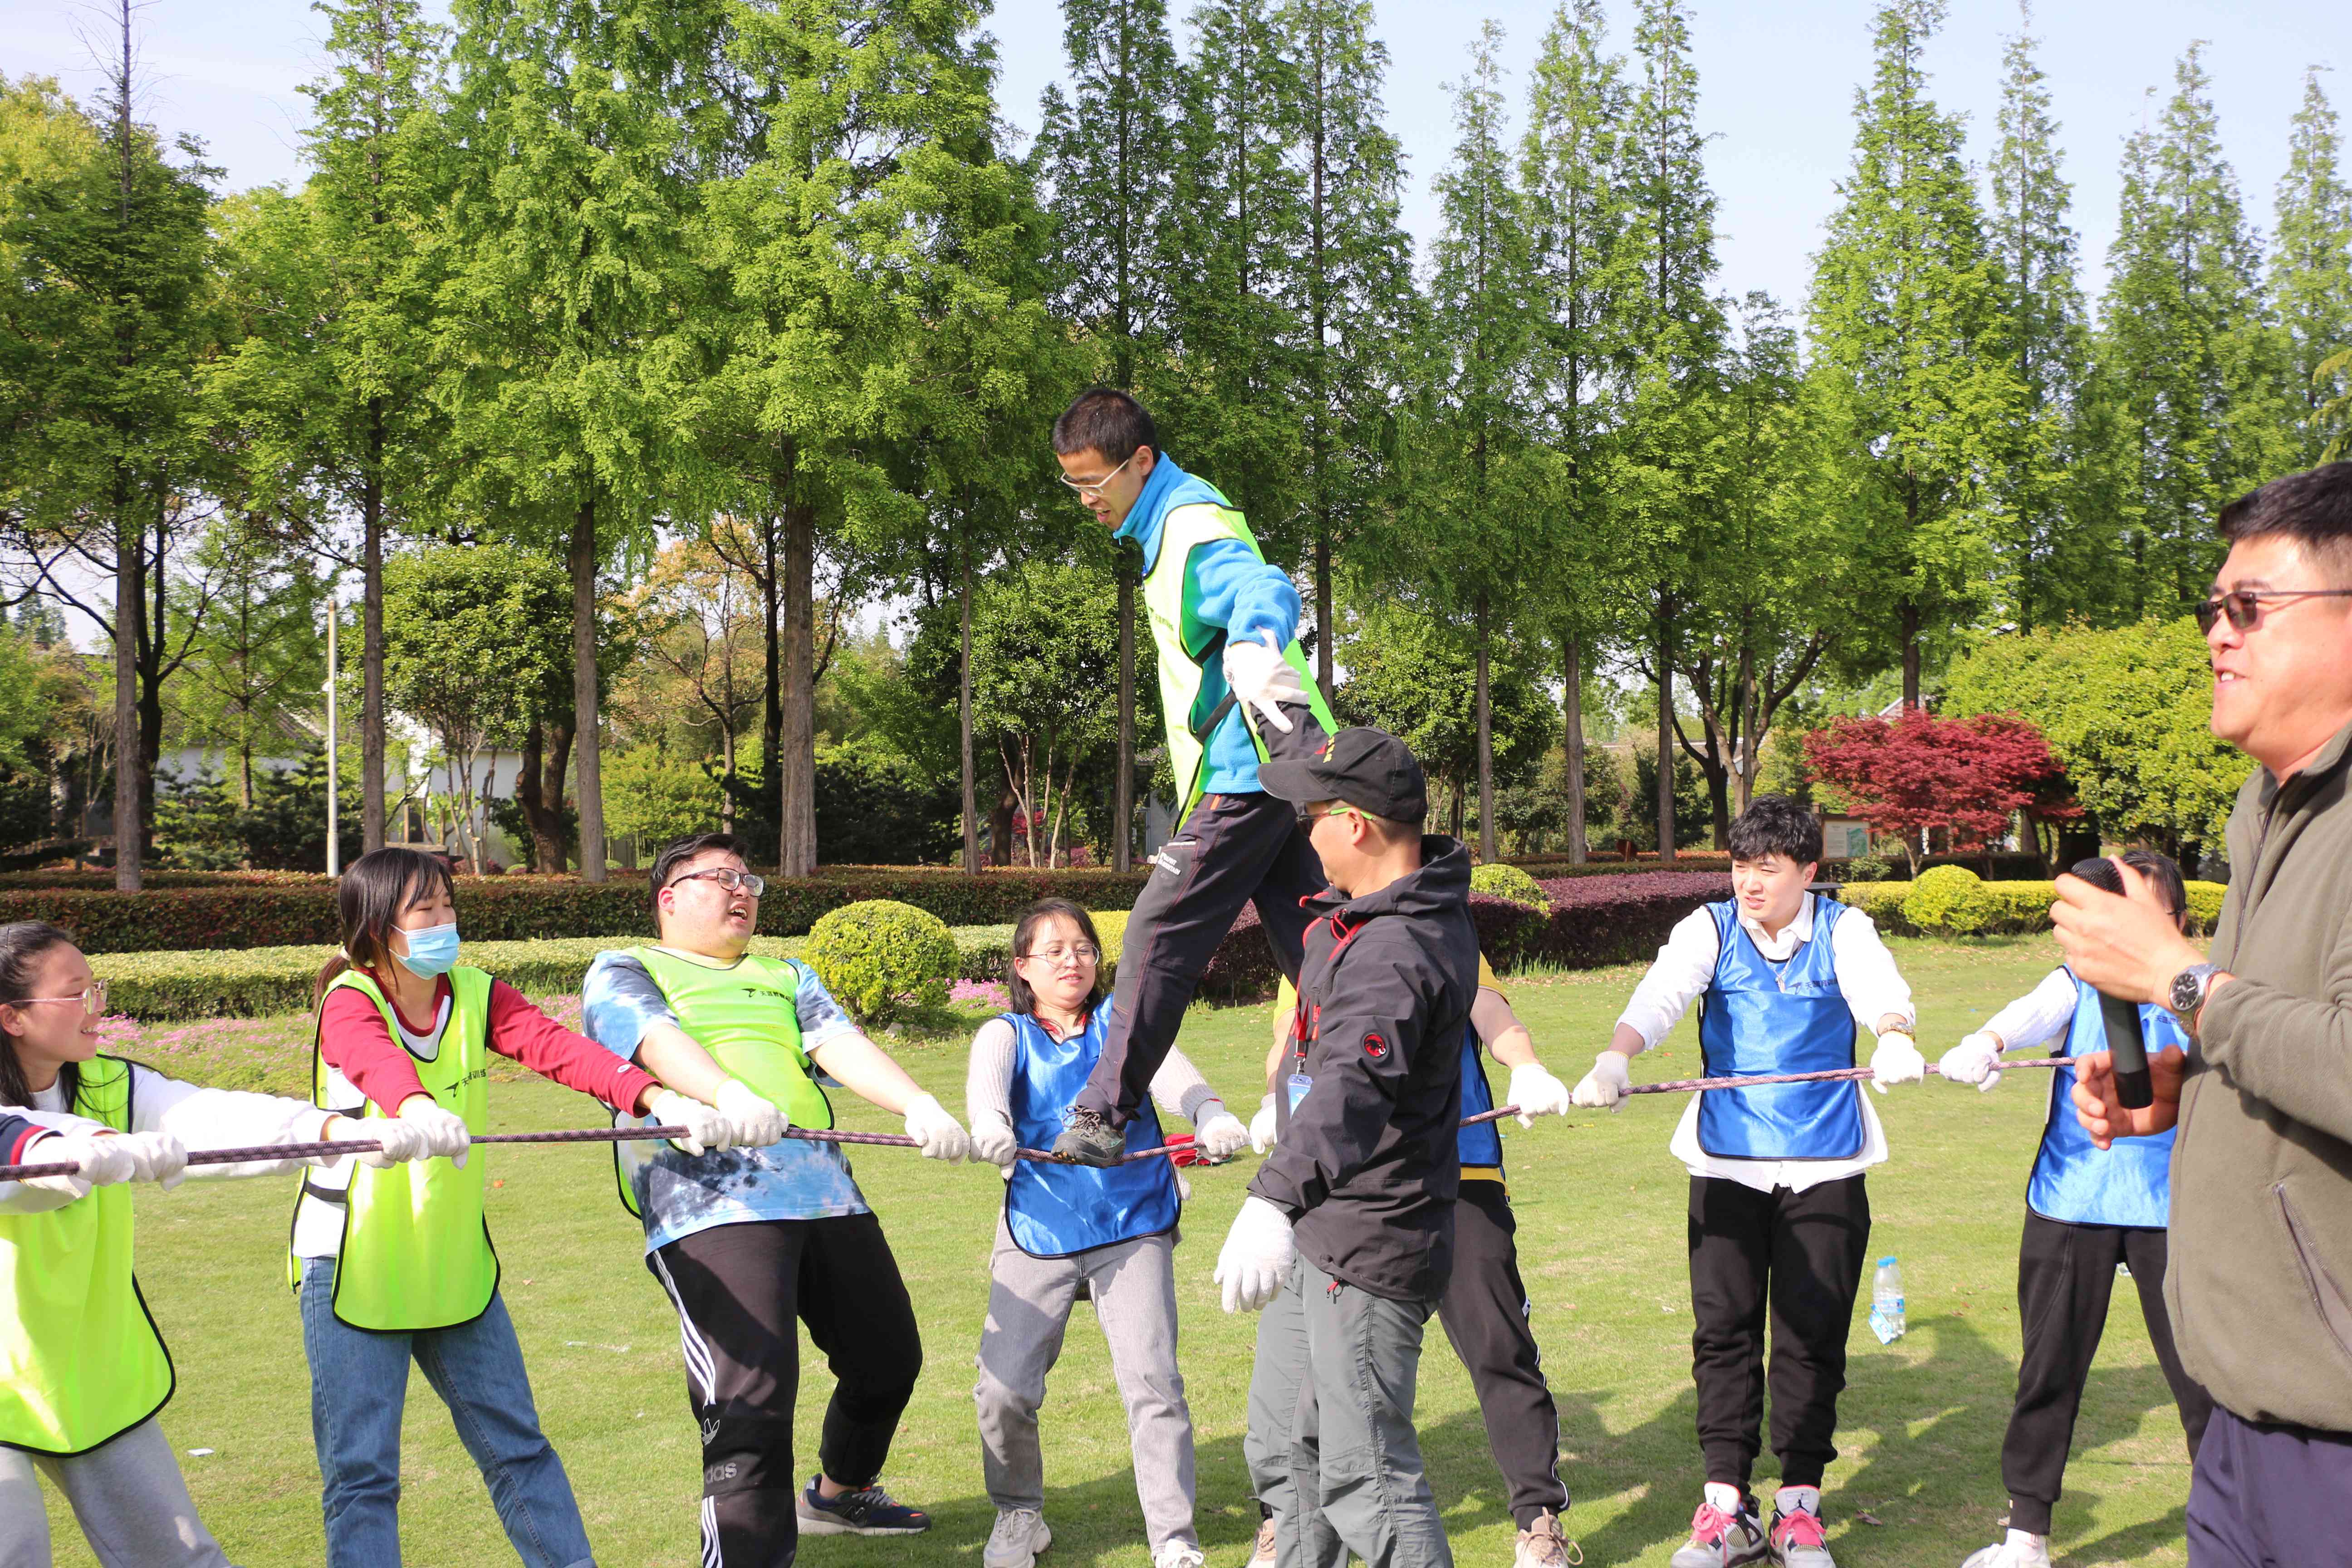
<point x="1886" y="1302"/>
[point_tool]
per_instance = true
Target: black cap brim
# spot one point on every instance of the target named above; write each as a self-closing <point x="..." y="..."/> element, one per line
<point x="1293" y="779"/>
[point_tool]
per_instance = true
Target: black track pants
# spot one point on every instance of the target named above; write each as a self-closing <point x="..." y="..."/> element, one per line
<point x="2065" y="1277"/>
<point x="1485" y="1312"/>
<point x="738" y="1288"/>
<point x="1800" y="1255"/>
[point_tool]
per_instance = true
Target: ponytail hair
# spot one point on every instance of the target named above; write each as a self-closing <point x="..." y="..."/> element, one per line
<point x="23" y="945"/>
<point x="369" y="900"/>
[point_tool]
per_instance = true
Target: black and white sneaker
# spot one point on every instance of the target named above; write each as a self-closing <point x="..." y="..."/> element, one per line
<point x="868" y="1510"/>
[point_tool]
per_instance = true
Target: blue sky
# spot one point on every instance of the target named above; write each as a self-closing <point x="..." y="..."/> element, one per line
<point x="1778" y="88"/>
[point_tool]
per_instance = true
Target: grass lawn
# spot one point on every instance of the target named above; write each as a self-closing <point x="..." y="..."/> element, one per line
<point x="1600" y="1209"/>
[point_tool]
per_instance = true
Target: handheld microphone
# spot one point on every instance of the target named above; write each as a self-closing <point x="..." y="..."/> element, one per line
<point x="2133" y="1086"/>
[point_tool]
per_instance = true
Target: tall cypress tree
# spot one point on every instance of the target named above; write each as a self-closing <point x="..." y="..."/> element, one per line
<point x="2310" y="267"/>
<point x="1907" y="328"/>
<point x="2185" y="352"/>
<point x="1351" y="293"/>
<point x="1572" y="193"/>
<point x="1676" y="324"/>
<point x="2033" y="242"/>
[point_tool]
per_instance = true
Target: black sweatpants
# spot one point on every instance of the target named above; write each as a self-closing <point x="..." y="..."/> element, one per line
<point x="1233" y="850"/>
<point x="737" y="1288"/>
<point x="1485" y="1311"/>
<point x="2065" y="1276"/>
<point x="1800" y="1255"/>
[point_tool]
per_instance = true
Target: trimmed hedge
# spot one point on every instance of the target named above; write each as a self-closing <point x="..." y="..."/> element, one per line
<point x="2013" y="907"/>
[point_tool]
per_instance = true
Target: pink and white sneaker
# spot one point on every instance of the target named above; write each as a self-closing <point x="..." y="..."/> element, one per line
<point x="1798" y="1538"/>
<point x="1723" y="1538"/>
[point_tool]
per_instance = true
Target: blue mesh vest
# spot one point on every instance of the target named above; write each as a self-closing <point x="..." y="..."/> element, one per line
<point x="1055" y="1210"/>
<point x="1760" y="1018"/>
<point x="2130" y="1184"/>
<point x="1482" y="1146"/>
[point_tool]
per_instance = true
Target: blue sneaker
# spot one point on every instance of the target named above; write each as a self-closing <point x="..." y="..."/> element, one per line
<point x="869" y="1510"/>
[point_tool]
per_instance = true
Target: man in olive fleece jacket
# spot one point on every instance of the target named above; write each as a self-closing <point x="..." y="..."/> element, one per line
<point x="2259" y="1289"/>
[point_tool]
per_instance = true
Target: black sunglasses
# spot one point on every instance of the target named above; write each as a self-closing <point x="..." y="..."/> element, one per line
<point x="2243" y="606"/>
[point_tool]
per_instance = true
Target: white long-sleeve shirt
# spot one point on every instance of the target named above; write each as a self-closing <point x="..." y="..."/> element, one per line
<point x="199" y="1117"/>
<point x="1178" y="1086"/>
<point x="2043" y="1014"/>
<point x="1866" y="976"/>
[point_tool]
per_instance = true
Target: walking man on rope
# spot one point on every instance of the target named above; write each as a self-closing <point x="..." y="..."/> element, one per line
<point x="1236" y="690"/>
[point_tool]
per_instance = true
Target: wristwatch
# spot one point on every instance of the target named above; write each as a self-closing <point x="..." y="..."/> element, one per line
<point x="2188" y="987"/>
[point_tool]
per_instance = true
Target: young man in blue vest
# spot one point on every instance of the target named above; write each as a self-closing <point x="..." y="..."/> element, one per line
<point x="2086" y="1210"/>
<point x="1236" y="690"/>
<point x="1780" y="1222"/>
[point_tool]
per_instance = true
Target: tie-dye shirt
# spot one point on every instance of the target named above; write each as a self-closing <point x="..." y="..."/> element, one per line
<point x="681" y="1193"/>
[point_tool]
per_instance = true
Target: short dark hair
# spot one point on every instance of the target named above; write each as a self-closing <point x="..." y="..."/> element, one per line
<point x="1776" y="825"/>
<point x="679" y="851"/>
<point x="1024" y="1000"/>
<point x="2313" y="508"/>
<point x="374" y="892"/>
<point x="1106" y="420"/>
<point x="2165" y="872"/>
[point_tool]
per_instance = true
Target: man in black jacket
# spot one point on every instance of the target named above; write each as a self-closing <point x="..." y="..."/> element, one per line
<point x="1347" y="1234"/>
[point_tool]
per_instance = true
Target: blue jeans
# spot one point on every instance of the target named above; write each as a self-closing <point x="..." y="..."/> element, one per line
<point x="359" y="1383"/>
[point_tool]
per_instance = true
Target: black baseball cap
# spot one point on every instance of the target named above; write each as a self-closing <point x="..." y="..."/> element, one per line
<point x="1371" y="770"/>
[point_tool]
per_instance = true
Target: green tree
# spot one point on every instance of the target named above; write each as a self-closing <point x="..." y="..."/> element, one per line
<point x="1572" y="174"/>
<point x="2033" y="246"/>
<point x="107" y="319"/>
<point x="1043" y="638"/>
<point x="2126" y="713"/>
<point x="1907" y="335"/>
<point x="2185" y="353"/>
<point x="470" y="632"/>
<point x="2311" y="268"/>
<point x="255" y="661"/>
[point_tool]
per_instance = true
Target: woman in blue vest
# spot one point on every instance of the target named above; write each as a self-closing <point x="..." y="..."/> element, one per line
<point x="1108" y="1232"/>
<point x="2086" y="1210"/>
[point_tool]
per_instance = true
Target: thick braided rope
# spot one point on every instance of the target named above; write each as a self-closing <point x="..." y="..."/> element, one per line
<point x="889" y="1139"/>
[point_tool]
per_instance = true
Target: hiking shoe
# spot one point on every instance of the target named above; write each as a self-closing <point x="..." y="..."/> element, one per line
<point x="1088" y="1140"/>
<point x="1020" y="1534"/>
<point x="1262" y="1553"/>
<point x="1179" y="1555"/>
<point x="868" y="1510"/>
<point x="1545" y="1544"/>
<point x="2022" y="1549"/>
<point x="1720" y="1540"/>
<point x="1798" y="1538"/>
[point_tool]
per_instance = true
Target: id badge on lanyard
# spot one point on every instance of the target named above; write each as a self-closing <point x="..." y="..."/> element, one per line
<point x="1304" y="1026"/>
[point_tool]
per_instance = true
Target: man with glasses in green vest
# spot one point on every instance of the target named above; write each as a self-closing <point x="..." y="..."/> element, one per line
<point x="1236" y="692"/>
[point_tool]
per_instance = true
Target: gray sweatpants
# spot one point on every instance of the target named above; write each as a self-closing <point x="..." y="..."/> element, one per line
<point x="1331" y="1448"/>
<point x="1029" y="1302"/>
<point x="128" y="1496"/>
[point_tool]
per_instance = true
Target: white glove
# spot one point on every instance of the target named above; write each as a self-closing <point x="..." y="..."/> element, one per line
<point x="1260" y="1131"/>
<point x="1606" y="1086"/>
<point x="1896" y="1060"/>
<point x="104" y="1162"/>
<point x="1537" y="1093"/>
<point x="757" y="1121"/>
<point x="992" y="1139"/>
<point x="446" y="1132"/>
<point x="401" y="1141"/>
<point x="707" y="1128"/>
<point x="1258" y="1257"/>
<point x="941" y="1136"/>
<point x="1262" y="678"/>
<point x="155" y="1157"/>
<point x="1976" y="1059"/>
<point x="1219" y="1134"/>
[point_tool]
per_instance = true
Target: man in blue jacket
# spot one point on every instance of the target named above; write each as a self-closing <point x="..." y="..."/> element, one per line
<point x="1236" y="690"/>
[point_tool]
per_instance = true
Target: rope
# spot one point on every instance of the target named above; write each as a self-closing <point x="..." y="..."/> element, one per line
<point x="889" y="1139"/>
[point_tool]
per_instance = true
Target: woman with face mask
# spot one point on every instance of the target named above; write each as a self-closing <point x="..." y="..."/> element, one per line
<point x="394" y="1265"/>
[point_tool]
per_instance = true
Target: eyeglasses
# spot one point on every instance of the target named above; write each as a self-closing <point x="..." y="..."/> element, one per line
<point x="1095" y="487"/>
<point x="1308" y="819"/>
<point x="1058" y="955"/>
<point x="2243" y="606"/>
<point x="92" y="999"/>
<point x="728" y="878"/>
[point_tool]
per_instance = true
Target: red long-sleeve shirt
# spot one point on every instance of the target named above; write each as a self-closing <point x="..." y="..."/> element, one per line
<point x="353" y="1041"/>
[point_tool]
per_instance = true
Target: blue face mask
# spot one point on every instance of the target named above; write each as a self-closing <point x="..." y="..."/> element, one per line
<point x="432" y="950"/>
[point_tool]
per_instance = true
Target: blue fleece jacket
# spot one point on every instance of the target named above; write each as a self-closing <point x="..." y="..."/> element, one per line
<point x="1231" y="586"/>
